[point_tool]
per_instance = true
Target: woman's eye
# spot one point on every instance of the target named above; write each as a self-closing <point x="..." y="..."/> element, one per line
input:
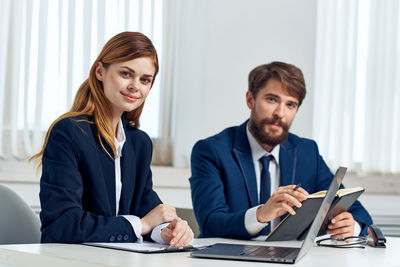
<point x="146" y="80"/>
<point x="125" y="74"/>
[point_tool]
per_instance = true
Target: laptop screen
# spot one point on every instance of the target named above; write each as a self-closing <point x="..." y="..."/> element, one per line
<point x="323" y="210"/>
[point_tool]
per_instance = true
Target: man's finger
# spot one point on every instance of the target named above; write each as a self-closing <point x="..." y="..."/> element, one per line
<point x="339" y="230"/>
<point x="342" y="235"/>
<point x="285" y="207"/>
<point x="342" y="216"/>
<point x="292" y="201"/>
<point x="341" y="223"/>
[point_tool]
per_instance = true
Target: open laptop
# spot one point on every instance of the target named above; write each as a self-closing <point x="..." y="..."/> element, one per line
<point x="273" y="253"/>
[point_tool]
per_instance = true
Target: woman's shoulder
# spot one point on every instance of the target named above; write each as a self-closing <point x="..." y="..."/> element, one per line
<point x="71" y="125"/>
<point x="136" y="134"/>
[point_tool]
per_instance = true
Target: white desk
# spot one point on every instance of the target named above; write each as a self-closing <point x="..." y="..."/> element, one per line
<point x="60" y="255"/>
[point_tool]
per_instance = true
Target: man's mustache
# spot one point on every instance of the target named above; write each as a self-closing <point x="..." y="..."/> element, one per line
<point x="277" y="121"/>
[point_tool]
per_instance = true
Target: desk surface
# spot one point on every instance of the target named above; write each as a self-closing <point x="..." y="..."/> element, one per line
<point x="79" y="255"/>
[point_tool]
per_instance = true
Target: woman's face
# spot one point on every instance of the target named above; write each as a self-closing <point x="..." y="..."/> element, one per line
<point x="127" y="84"/>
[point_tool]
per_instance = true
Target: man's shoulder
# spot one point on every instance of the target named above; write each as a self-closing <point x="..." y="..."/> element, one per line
<point x="298" y="142"/>
<point x="226" y="136"/>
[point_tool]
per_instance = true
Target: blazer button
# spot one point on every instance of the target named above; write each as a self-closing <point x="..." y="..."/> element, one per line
<point x="126" y="237"/>
<point x="119" y="237"/>
<point x="112" y="238"/>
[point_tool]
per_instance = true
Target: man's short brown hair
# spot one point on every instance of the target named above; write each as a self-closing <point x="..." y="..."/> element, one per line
<point x="289" y="75"/>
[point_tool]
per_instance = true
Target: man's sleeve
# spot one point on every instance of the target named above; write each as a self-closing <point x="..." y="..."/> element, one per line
<point x="209" y="201"/>
<point x="360" y="214"/>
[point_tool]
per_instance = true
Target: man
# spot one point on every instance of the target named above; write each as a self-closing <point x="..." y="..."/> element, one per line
<point x="243" y="179"/>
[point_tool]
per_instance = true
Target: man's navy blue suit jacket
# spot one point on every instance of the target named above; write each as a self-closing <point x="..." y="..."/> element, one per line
<point x="223" y="182"/>
<point x="77" y="187"/>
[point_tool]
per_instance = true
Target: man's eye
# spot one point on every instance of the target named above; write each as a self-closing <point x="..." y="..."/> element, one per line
<point x="292" y="105"/>
<point x="271" y="99"/>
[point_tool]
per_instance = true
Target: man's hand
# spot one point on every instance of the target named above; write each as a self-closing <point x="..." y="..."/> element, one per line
<point x="281" y="202"/>
<point x="177" y="233"/>
<point x="160" y="214"/>
<point x="342" y="225"/>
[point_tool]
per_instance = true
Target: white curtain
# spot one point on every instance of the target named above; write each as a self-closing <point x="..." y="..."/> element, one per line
<point x="357" y="84"/>
<point x="162" y="149"/>
<point x="46" y="50"/>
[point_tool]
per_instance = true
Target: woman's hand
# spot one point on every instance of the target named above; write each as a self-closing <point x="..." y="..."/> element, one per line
<point x="177" y="233"/>
<point x="160" y="214"/>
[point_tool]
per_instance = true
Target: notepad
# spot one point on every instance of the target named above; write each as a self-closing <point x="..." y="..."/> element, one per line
<point x="145" y="247"/>
<point x="296" y="226"/>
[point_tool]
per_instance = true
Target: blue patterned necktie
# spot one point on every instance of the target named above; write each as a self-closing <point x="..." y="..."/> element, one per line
<point x="265" y="179"/>
<point x="265" y="186"/>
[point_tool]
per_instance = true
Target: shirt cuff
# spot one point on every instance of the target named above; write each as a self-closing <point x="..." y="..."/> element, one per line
<point x="136" y="224"/>
<point x="357" y="229"/>
<point x="156" y="234"/>
<point x="252" y="225"/>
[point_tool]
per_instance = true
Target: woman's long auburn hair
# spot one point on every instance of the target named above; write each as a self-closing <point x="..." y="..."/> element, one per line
<point x="90" y="99"/>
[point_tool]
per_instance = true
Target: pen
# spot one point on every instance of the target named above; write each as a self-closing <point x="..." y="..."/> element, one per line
<point x="297" y="186"/>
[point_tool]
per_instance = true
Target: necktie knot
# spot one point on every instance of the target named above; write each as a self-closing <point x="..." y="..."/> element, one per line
<point x="265" y="161"/>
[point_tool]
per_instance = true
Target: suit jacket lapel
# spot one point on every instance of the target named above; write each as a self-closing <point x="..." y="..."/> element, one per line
<point x="108" y="171"/>
<point x="243" y="155"/>
<point x="128" y="174"/>
<point x="287" y="162"/>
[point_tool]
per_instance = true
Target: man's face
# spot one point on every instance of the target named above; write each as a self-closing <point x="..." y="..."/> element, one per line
<point x="272" y="113"/>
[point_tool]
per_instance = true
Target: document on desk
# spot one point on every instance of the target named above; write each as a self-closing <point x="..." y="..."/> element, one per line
<point x="145" y="247"/>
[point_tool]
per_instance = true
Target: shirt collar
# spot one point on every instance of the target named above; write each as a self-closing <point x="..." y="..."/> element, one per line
<point x="257" y="151"/>
<point x="119" y="140"/>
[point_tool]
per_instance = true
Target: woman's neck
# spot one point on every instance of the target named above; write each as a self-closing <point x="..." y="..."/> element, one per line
<point x="115" y="122"/>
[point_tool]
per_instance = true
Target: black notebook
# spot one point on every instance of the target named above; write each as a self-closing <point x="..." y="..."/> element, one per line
<point x="296" y="226"/>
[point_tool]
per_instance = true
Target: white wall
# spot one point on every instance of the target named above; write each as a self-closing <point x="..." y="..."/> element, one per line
<point x="220" y="42"/>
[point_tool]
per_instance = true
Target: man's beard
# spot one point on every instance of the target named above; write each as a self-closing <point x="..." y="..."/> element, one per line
<point x="256" y="127"/>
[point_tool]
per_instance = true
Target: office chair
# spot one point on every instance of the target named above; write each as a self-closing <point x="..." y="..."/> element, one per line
<point x="188" y="215"/>
<point x="18" y="223"/>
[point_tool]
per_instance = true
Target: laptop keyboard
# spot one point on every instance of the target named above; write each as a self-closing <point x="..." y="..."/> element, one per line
<point x="264" y="251"/>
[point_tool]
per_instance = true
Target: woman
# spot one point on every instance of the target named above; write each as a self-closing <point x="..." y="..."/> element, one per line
<point x="96" y="183"/>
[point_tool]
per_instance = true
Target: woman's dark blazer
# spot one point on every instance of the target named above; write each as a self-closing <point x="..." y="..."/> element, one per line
<point x="77" y="187"/>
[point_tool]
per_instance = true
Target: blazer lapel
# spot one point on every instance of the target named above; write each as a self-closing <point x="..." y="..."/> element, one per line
<point x="107" y="166"/>
<point x="128" y="174"/>
<point x="287" y="162"/>
<point x="242" y="153"/>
